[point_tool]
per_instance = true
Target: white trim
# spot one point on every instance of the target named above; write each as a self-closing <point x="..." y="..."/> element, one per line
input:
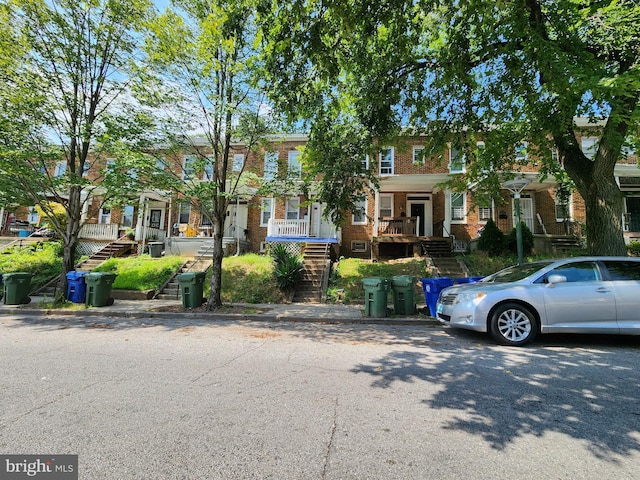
<point x="364" y="220"/>
<point x="388" y="170"/>
<point x="271" y="202"/>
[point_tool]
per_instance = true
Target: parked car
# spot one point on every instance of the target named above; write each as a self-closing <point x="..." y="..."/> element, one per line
<point x="571" y="295"/>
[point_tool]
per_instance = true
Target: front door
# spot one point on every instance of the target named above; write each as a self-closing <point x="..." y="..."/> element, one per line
<point x="154" y="218"/>
<point x="420" y="207"/>
<point x="319" y="226"/>
<point x="526" y="212"/>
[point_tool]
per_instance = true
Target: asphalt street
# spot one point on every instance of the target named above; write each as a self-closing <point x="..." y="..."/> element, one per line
<point x="196" y="399"/>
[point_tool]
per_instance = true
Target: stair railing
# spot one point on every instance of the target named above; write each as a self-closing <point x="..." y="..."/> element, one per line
<point x="324" y="277"/>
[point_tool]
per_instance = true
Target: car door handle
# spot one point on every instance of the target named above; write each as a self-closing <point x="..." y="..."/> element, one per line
<point x="602" y="290"/>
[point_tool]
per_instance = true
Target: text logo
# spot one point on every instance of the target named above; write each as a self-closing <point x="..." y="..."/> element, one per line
<point x="48" y="467"/>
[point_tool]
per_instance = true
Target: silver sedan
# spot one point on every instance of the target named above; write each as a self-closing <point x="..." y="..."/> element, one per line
<point x="572" y="295"/>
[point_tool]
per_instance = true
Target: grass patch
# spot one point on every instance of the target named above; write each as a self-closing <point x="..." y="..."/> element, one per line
<point x="345" y="284"/>
<point x="248" y="279"/>
<point x="141" y="272"/>
<point x="42" y="259"/>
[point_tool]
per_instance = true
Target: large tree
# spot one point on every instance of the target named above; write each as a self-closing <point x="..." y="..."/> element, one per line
<point x="205" y="54"/>
<point x="64" y="88"/>
<point x="504" y="71"/>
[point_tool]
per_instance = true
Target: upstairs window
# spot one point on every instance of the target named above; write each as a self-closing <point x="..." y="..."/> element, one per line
<point x="208" y="168"/>
<point x="521" y="152"/>
<point x="238" y="162"/>
<point x="386" y="161"/>
<point x="589" y="147"/>
<point x="293" y="162"/>
<point x="188" y="167"/>
<point x="457" y="161"/>
<point x="61" y="168"/>
<point x="270" y="165"/>
<point x="418" y="155"/>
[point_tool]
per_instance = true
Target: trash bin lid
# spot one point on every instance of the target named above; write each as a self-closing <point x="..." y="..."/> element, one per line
<point x="374" y="281"/>
<point x="403" y="280"/>
<point x="99" y="276"/>
<point x="190" y="276"/>
<point x="75" y="275"/>
<point x="15" y="276"/>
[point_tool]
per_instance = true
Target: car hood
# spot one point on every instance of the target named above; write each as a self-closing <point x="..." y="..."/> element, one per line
<point x="481" y="287"/>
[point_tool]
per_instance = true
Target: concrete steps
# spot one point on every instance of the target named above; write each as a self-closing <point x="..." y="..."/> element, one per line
<point x="311" y="288"/>
<point x="171" y="290"/>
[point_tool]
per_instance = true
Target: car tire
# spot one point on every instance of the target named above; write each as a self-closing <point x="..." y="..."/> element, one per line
<point x="513" y="324"/>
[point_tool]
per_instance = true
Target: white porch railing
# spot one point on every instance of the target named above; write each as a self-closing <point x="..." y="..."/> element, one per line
<point x="99" y="231"/>
<point x="279" y="227"/>
<point x="155" y="234"/>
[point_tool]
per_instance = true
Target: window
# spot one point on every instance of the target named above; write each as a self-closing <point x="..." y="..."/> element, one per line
<point x="358" y="246"/>
<point x="295" y="168"/>
<point x="457" y="161"/>
<point x="293" y="208"/>
<point x="589" y="147"/>
<point x="365" y="163"/>
<point x="104" y="216"/>
<point x="521" y="152"/>
<point x="61" y="168"/>
<point x="127" y="216"/>
<point x="625" y="270"/>
<point x="577" y="272"/>
<point x="160" y="164"/>
<point x="458" y="207"/>
<point x="208" y="168"/>
<point x="238" y="162"/>
<point x="386" y="161"/>
<point x="418" y="155"/>
<point x="555" y="154"/>
<point x="184" y="213"/>
<point x="270" y="165"/>
<point x="386" y="205"/>
<point x="110" y="166"/>
<point x="359" y="216"/>
<point x="205" y="221"/>
<point x="188" y="167"/>
<point x="266" y="211"/>
<point x="563" y="207"/>
<point x="85" y="168"/>
<point x="485" y="214"/>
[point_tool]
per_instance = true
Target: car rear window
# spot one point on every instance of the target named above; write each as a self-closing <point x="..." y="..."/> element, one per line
<point x="623" y="270"/>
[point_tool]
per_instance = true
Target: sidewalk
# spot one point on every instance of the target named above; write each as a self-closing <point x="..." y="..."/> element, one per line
<point x="293" y="312"/>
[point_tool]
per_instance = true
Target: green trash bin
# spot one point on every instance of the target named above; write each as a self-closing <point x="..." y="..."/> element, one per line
<point x="191" y="287"/>
<point x="99" y="288"/>
<point x="16" y="288"/>
<point x="404" y="298"/>
<point x="155" y="249"/>
<point x="375" y="296"/>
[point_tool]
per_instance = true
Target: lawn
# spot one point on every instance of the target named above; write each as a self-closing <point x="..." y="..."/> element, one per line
<point x="141" y="272"/>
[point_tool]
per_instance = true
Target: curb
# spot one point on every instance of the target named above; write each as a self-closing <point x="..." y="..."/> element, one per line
<point x="264" y="317"/>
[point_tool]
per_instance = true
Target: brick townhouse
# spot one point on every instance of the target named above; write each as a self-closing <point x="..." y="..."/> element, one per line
<point x="410" y="210"/>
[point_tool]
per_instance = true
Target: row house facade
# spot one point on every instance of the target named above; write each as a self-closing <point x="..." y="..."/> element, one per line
<point x="410" y="207"/>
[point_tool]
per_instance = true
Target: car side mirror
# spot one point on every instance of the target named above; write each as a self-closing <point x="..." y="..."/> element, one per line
<point x="553" y="279"/>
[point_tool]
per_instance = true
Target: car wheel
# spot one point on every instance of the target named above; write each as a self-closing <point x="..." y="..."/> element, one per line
<point x="513" y="324"/>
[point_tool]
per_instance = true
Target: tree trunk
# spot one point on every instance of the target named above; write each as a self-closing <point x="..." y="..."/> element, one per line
<point x="215" y="299"/>
<point x="71" y="235"/>
<point x="603" y="206"/>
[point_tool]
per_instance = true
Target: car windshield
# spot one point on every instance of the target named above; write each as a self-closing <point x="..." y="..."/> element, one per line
<point x="515" y="273"/>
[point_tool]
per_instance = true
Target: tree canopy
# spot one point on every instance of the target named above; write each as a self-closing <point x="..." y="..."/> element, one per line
<point x="503" y="71"/>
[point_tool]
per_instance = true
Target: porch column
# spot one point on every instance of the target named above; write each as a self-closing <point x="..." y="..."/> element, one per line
<point x="376" y="213"/>
<point x="447" y="213"/>
<point x="141" y="216"/>
<point x="1" y="218"/>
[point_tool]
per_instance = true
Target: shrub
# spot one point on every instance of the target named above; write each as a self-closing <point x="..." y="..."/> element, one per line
<point x="492" y="240"/>
<point x="511" y="242"/>
<point x="288" y="269"/>
<point x="634" y="248"/>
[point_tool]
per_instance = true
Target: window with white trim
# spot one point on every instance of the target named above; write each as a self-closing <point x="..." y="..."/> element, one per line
<point x="358" y="246"/>
<point x="61" y="168"/>
<point x="589" y="146"/>
<point x="485" y="214"/>
<point x="359" y="216"/>
<point x="385" y="205"/>
<point x="207" y="174"/>
<point x="386" y="161"/>
<point x="563" y="207"/>
<point x="365" y="162"/>
<point x="458" y="207"/>
<point x="270" y="165"/>
<point x="188" y="167"/>
<point x="418" y="155"/>
<point x="104" y="216"/>
<point x="184" y="213"/>
<point x="457" y="161"/>
<point x="294" y="165"/>
<point x="266" y="211"/>
<point x="127" y="216"/>
<point x="238" y="162"/>
<point x="293" y="208"/>
<point x="521" y="152"/>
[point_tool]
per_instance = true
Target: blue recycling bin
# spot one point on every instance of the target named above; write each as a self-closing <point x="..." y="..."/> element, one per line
<point x="467" y="280"/>
<point x="432" y="288"/>
<point x="76" y="287"/>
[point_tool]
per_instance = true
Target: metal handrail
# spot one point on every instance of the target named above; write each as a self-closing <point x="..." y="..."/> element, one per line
<point x="322" y="276"/>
